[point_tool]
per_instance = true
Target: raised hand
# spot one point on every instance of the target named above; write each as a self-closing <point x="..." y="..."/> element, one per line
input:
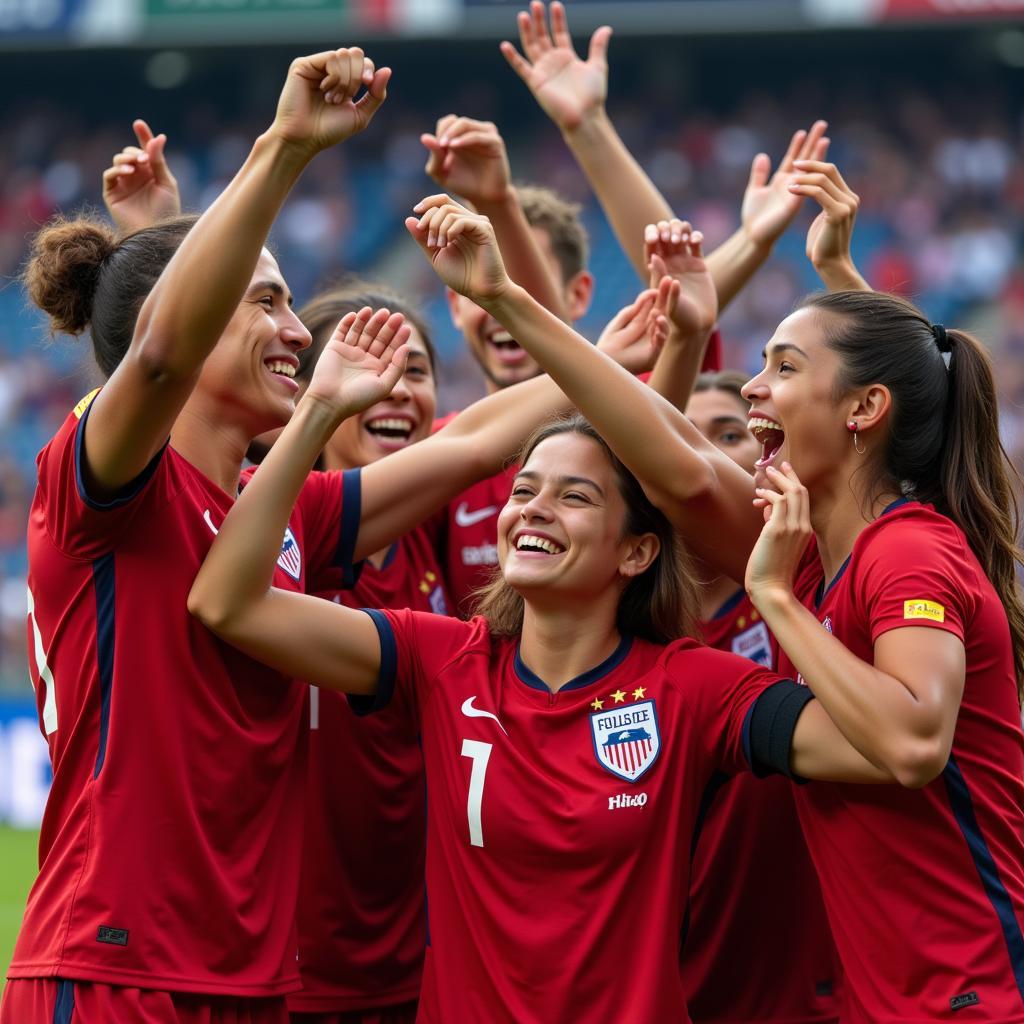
<point x="636" y="334"/>
<point x="769" y="206"/>
<point x="468" y="158"/>
<point x="362" y="360"/>
<point x="567" y="88"/>
<point x="783" y="541"/>
<point x="685" y="289"/>
<point x="138" y="187"/>
<point x="317" y="107"/>
<point x="830" y="234"/>
<point x="460" y="246"/>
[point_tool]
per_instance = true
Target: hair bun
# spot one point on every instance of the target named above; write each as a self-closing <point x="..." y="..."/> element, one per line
<point x="64" y="268"/>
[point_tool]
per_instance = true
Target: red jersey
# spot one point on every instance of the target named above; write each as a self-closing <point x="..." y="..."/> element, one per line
<point x="362" y="909"/>
<point x="559" y="824"/>
<point x="169" y="851"/>
<point x="757" y="945"/>
<point x="925" y="888"/>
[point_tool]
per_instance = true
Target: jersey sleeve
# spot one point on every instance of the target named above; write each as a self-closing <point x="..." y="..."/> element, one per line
<point x="329" y="506"/>
<point x="81" y="524"/>
<point x="916" y="571"/>
<point x="414" y="648"/>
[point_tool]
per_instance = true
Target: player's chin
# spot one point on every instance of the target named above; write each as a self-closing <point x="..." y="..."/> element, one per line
<point x="505" y="376"/>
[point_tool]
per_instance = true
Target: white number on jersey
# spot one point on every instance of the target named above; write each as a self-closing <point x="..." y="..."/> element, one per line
<point x="45" y="675"/>
<point x="480" y="754"/>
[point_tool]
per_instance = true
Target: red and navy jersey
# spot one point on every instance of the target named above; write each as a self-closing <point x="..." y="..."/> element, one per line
<point x="925" y="888"/>
<point x="559" y="824"/>
<point x="362" y="911"/>
<point x="756" y="945"/>
<point x="169" y="852"/>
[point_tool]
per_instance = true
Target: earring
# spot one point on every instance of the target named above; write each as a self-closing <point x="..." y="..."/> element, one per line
<point x="858" y="448"/>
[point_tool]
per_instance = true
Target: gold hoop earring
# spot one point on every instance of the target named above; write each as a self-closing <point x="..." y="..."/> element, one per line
<point x="857" y="447"/>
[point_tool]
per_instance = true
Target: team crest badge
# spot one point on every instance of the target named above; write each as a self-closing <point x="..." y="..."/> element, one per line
<point x="626" y="740"/>
<point x="290" y="558"/>
<point x="755" y="644"/>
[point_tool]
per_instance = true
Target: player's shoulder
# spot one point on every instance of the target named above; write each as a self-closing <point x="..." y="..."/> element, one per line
<point x="688" y="663"/>
<point x="910" y="532"/>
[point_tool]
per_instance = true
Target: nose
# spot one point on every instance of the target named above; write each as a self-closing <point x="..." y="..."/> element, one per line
<point x="400" y="392"/>
<point x="537" y="509"/>
<point x="754" y="388"/>
<point x="293" y="332"/>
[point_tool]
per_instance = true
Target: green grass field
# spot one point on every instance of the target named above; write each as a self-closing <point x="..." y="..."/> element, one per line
<point x="18" y="850"/>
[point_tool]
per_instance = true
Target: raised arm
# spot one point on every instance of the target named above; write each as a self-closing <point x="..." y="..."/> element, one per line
<point x="191" y="303"/>
<point x="302" y="636"/>
<point x="704" y="492"/>
<point x="138" y="187"/>
<point x="468" y="157"/>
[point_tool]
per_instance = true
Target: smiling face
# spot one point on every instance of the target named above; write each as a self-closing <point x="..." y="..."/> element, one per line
<point x="250" y="372"/>
<point x="795" y="414"/>
<point x="562" y="533"/>
<point x="722" y="418"/>
<point x="402" y="419"/>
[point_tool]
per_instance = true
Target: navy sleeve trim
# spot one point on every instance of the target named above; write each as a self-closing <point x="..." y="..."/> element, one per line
<point x="366" y="704"/>
<point x="126" y="494"/>
<point x="769" y="727"/>
<point x="351" y="514"/>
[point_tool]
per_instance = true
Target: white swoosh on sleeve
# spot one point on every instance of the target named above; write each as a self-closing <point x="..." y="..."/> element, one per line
<point x="463" y="517"/>
<point x="471" y="712"/>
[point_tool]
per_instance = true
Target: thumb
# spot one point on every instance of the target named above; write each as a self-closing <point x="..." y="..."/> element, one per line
<point x="142" y="132"/>
<point x="419" y="234"/>
<point x="760" y="168"/>
<point x="392" y="373"/>
<point x="157" y="161"/>
<point x="658" y="269"/>
<point x="376" y="93"/>
<point x="598" y="52"/>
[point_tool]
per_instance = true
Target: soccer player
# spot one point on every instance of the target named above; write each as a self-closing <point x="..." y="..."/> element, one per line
<point x="568" y="733"/>
<point x="884" y="566"/>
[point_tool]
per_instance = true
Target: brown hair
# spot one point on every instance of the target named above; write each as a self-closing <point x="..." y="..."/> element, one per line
<point x="322" y="313"/>
<point x="943" y="445"/>
<point x="560" y="219"/>
<point x="659" y="605"/>
<point x="729" y="381"/>
<point x="81" y="274"/>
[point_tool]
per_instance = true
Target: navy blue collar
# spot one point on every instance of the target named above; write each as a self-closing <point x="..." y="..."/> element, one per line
<point x="729" y="604"/>
<point x="592" y="675"/>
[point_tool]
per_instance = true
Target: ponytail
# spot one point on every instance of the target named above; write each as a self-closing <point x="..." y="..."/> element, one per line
<point x="943" y="446"/>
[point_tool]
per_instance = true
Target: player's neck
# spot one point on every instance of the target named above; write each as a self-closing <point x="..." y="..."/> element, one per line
<point x="558" y="645"/>
<point x="216" y="448"/>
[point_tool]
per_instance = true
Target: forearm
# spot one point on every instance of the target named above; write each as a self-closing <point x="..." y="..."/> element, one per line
<point x="820" y="751"/>
<point x="875" y="711"/>
<point x="521" y="254"/>
<point x="627" y="195"/>
<point x="678" y="366"/>
<point x="734" y="263"/>
<point x="194" y="298"/>
<point x="842" y="276"/>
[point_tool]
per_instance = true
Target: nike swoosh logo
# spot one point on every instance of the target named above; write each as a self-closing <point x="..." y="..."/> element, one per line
<point x="471" y="712"/>
<point x="463" y="517"/>
<point x="209" y="522"/>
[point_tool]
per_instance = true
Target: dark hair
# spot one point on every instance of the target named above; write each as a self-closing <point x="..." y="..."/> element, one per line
<point x="83" y="275"/>
<point x="943" y="445"/>
<point x="547" y="210"/>
<point x="322" y="313"/>
<point x="729" y="381"/>
<point x="659" y="605"/>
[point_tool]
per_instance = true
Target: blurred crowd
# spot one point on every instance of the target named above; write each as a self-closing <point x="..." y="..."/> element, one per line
<point x="941" y="181"/>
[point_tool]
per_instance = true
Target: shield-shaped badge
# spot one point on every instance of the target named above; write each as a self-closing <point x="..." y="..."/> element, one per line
<point x="627" y="740"/>
<point x="754" y="643"/>
<point x="290" y="558"/>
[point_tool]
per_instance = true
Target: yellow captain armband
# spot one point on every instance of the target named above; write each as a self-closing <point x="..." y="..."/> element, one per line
<point x="79" y="409"/>
<point x="924" y="610"/>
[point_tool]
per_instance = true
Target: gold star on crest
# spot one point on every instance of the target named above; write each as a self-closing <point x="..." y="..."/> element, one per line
<point x="597" y="704"/>
<point x="619" y="696"/>
<point x="638" y="693"/>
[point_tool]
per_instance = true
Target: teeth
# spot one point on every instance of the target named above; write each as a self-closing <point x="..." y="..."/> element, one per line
<point x="528" y="540"/>
<point x="502" y="338"/>
<point x="281" y="367"/>
<point x="760" y="423"/>
<point x="392" y="423"/>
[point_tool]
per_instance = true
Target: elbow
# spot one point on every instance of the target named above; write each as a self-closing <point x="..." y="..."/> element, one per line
<point x="211" y="612"/>
<point x="919" y="762"/>
<point x="682" y="488"/>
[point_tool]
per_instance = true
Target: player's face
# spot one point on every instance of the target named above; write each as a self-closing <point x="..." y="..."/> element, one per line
<point x="722" y="419"/>
<point x="402" y="419"/>
<point x="500" y="357"/>
<point x="250" y="373"/>
<point x="794" y="412"/>
<point x="561" y="533"/>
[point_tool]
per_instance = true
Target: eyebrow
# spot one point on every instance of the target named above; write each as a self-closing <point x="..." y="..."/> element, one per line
<point x="783" y="346"/>
<point x="270" y="286"/>
<point x="563" y="480"/>
<point x="719" y="420"/>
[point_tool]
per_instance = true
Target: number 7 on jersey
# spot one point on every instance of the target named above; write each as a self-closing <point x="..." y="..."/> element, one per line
<point x="479" y="753"/>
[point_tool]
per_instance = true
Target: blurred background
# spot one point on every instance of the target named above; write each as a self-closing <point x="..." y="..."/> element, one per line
<point x="924" y="100"/>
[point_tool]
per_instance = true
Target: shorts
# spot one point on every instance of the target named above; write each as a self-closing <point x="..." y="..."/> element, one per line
<point x="60" y="1001"/>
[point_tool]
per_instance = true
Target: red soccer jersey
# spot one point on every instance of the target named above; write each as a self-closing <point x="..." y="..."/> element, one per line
<point x="362" y="912"/>
<point x="757" y="945"/>
<point x="559" y="825"/>
<point x="169" y="852"/>
<point x="925" y="888"/>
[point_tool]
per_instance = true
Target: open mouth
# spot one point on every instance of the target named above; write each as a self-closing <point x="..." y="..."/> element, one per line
<point x="506" y="348"/>
<point x="769" y="435"/>
<point x="284" y="371"/>
<point x="535" y="544"/>
<point x="391" y="431"/>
